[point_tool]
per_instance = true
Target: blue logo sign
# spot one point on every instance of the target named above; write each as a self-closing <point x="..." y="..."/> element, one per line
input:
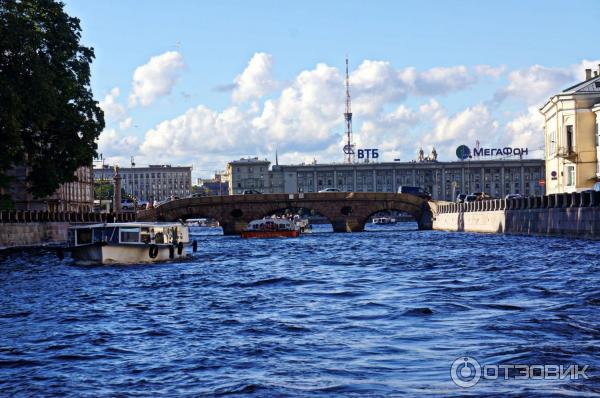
<point x="463" y="152"/>
<point x="368" y="153"/>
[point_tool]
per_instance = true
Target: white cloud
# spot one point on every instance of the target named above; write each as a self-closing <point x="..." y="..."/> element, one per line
<point x="526" y="130"/>
<point x="256" y="80"/>
<point x="465" y="127"/>
<point x="537" y="83"/>
<point x="113" y="111"/>
<point x="156" y="78"/>
<point x="113" y="144"/>
<point x="125" y="124"/>
<point x="490" y="71"/>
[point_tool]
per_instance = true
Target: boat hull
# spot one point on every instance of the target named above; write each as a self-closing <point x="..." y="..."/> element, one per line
<point x="270" y="234"/>
<point x="122" y="254"/>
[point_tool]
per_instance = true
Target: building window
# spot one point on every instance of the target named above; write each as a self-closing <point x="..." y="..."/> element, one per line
<point x="570" y="176"/>
<point x="569" y="138"/>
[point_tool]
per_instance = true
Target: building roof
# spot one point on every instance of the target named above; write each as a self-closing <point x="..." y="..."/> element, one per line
<point x="249" y="160"/>
<point x="588" y="86"/>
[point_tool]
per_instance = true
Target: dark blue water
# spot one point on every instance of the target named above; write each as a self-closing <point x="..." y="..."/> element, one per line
<point x="373" y="314"/>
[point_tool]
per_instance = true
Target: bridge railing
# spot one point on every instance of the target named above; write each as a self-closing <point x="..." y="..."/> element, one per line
<point x="554" y="201"/>
<point x="34" y="216"/>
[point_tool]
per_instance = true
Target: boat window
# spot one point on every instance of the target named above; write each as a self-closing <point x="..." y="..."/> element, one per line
<point x="84" y="236"/>
<point x="145" y="235"/>
<point x="159" y="237"/>
<point x="130" y="235"/>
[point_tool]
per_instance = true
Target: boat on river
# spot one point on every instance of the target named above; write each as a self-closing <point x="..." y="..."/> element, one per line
<point x="271" y="228"/>
<point x="128" y="243"/>
<point x="384" y="220"/>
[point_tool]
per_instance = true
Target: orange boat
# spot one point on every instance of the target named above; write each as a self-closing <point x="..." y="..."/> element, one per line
<point x="271" y="228"/>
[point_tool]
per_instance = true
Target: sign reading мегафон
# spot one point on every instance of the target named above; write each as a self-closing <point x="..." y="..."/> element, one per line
<point x="463" y="152"/>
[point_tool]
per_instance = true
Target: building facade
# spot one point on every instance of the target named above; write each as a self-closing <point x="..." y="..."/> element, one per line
<point x="77" y="196"/>
<point x="572" y="136"/>
<point x="445" y="180"/>
<point x="155" y="182"/>
<point x="215" y="186"/>
<point x="250" y="174"/>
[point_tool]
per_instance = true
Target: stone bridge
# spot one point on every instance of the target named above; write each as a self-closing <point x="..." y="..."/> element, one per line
<point x="347" y="211"/>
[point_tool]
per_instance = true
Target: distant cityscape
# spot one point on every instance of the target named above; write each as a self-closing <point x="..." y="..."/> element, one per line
<point x="571" y="164"/>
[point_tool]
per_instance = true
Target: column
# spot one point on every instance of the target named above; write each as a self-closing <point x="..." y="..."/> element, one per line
<point x="335" y="185"/>
<point x="502" y="183"/>
<point x="482" y="186"/>
<point x="462" y="179"/>
<point x="354" y="179"/>
<point x="444" y="185"/>
<point x="523" y="180"/>
<point x="414" y="175"/>
<point x="315" y="181"/>
<point x="394" y="184"/>
<point x="375" y="180"/>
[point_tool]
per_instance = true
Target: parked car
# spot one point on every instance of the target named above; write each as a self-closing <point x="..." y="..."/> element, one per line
<point x="460" y="198"/>
<point x="595" y="188"/>
<point x="513" y="196"/>
<point x="251" y="192"/>
<point x="127" y="204"/>
<point x="470" y="198"/>
<point x="417" y="191"/>
<point x="329" y="190"/>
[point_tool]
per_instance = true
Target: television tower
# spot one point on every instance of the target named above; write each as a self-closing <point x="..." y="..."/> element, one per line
<point x="349" y="147"/>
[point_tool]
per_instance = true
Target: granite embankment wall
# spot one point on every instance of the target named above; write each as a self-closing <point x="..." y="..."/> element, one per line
<point x="574" y="215"/>
<point x="38" y="228"/>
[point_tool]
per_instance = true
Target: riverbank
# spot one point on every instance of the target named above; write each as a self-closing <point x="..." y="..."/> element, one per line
<point x="572" y="216"/>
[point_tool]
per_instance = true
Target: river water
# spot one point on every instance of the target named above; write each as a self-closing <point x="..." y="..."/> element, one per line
<point x="379" y="313"/>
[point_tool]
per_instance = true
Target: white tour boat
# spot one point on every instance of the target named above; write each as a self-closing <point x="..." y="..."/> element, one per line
<point x="384" y="220"/>
<point x="128" y="243"/>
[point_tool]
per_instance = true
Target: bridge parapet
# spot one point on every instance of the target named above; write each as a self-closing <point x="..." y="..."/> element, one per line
<point x="347" y="211"/>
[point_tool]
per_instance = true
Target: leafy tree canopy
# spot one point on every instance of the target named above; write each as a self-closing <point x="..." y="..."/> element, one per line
<point x="49" y="120"/>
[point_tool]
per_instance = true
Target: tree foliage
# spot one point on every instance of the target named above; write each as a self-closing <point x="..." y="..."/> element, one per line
<point x="49" y="120"/>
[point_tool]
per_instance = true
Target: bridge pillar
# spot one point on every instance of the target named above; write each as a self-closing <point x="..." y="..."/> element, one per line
<point x="426" y="221"/>
<point x="347" y="224"/>
<point x="233" y="227"/>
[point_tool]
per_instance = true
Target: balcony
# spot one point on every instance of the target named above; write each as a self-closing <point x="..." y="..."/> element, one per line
<point x="566" y="153"/>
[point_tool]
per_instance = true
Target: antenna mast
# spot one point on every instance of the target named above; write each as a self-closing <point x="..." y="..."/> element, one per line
<point x="349" y="147"/>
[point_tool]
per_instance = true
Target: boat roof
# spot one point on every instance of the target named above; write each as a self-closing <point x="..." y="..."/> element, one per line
<point x="128" y="224"/>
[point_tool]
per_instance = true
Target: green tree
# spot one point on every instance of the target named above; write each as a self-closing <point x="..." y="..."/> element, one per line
<point x="49" y="120"/>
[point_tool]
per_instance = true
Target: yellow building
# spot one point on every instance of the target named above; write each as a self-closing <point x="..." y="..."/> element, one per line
<point x="571" y="121"/>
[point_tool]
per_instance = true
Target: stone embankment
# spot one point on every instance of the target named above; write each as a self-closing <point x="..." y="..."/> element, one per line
<point x="574" y="215"/>
<point x="39" y="228"/>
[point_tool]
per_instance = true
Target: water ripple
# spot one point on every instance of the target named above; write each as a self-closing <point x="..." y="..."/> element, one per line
<point x="382" y="313"/>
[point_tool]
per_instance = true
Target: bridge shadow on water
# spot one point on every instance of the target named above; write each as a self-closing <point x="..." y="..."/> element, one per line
<point x="325" y="228"/>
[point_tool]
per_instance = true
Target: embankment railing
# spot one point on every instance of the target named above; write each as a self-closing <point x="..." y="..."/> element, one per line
<point x="562" y="200"/>
<point x="32" y="216"/>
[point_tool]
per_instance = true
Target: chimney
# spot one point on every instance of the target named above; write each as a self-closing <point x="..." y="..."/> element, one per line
<point x="588" y="74"/>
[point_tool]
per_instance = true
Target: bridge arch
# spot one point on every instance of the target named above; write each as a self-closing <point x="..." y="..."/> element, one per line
<point x="347" y="212"/>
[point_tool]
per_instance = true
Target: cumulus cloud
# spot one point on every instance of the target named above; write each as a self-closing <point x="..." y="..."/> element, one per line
<point x="537" y="83"/>
<point x="125" y="124"/>
<point x="156" y="78"/>
<point x="256" y="80"/>
<point x="199" y="128"/>
<point x="467" y="126"/>
<point x="113" y="144"/>
<point x="526" y="130"/>
<point x="490" y="71"/>
<point x="375" y="83"/>
<point x="113" y="110"/>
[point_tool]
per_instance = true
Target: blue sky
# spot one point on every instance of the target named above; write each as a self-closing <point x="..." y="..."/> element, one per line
<point x="216" y="81"/>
